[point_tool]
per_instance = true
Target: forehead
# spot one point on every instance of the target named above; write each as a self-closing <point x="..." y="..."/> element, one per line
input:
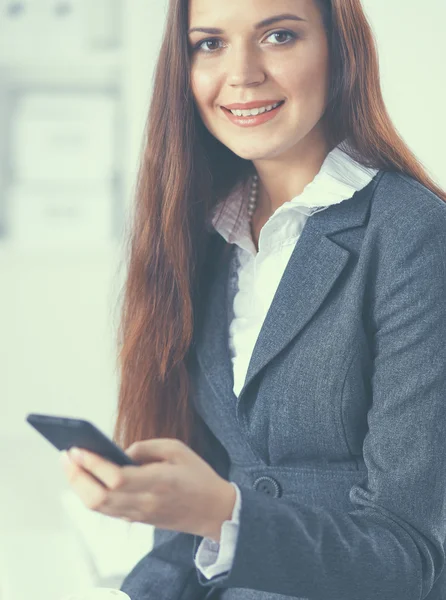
<point x="220" y="12"/>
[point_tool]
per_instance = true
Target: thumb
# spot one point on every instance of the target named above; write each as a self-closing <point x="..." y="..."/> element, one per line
<point x="161" y="449"/>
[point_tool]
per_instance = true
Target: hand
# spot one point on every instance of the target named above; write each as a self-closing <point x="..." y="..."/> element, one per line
<point x="174" y="488"/>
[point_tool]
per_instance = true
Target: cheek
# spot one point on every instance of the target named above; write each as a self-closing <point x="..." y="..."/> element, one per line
<point x="203" y="87"/>
<point x="306" y="83"/>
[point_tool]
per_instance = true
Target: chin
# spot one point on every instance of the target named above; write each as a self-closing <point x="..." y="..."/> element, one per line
<point x="255" y="153"/>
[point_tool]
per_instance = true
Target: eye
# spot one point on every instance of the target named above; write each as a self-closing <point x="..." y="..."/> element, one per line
<point x="202" y="48"/>
<point x="200" y="45"/>
<point x="289" y="33"/>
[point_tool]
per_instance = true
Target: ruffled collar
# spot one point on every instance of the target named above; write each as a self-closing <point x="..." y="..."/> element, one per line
<point x="339" y="177"/>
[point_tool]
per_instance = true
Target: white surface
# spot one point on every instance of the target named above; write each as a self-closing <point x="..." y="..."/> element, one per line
<point x="42" y="565"/>
<point x="47" y="551"/>
<point x="114" y="545"/>
<point x="40" y="556"/>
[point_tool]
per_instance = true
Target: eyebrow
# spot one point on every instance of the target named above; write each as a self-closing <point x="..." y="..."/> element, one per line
<point x="264" y="23"/>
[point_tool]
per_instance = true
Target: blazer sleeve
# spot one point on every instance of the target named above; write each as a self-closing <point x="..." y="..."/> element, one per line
<point x="391" y="543"/>
<point x="168" y="571"/>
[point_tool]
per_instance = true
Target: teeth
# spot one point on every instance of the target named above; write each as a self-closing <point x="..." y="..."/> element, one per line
<point x="254" y="111"/>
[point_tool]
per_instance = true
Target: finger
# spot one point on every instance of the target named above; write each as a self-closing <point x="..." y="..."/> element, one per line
<point x="147" y="478"/>
<point x="139" y="507"/>
<point x="130" y="509"/>
<point x="92" y="493"/>
<point x="127" y="479"/>
<point x="161" y="449"/>
<point x="105" y="471"/>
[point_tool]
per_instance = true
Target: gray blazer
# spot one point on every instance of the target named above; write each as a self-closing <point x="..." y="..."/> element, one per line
<point x="338" y="438"/>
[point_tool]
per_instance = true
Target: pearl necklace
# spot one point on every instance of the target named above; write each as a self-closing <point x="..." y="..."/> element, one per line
<point x="253" y="196"/>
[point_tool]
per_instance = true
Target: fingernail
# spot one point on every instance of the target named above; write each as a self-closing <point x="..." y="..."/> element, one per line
<point x="64" y="458"/>
<point x="77" y="455"/>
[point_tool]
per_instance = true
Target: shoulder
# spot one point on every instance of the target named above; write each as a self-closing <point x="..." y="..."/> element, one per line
<point x="404" y="243"/>
<point x="402" y="203"/>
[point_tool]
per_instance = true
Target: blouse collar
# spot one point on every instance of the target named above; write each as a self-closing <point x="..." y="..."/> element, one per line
<point x="339" y="177"/>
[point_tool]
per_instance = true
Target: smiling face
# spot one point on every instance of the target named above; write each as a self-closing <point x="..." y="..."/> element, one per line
<point x="285" y="60"/>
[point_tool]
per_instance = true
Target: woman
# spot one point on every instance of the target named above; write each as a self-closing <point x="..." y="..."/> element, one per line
<point x="283" y="356"/>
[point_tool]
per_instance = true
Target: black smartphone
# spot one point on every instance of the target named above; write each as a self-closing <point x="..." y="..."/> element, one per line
<point x="65" y="432"/>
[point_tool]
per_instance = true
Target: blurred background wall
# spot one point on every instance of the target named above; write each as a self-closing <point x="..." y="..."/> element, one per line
<point x="75" y="80"/>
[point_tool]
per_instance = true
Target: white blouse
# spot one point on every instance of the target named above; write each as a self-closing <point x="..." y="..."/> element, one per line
<point x="259" y="274"/>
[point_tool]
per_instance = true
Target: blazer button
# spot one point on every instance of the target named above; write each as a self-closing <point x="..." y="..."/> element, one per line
<point x="268" y="486"/>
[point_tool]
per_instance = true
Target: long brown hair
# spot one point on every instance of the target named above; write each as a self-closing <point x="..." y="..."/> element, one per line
<point x="184" y="172"/>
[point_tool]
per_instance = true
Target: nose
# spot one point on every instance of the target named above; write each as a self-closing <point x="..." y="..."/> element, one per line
<point x="244" y="67"/>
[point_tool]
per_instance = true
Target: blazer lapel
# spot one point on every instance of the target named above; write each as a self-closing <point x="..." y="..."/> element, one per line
<point x="312" y="271"/>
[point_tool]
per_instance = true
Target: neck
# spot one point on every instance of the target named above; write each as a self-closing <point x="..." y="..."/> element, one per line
<point x="284" y="178"/>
